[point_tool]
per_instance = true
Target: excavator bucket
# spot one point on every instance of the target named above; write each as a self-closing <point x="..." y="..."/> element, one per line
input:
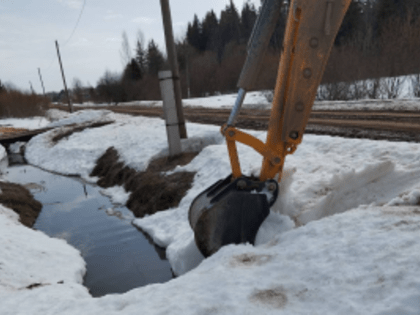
<point x="231" y="212"/>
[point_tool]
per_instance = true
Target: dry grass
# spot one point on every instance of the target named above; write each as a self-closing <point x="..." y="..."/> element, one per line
<point x="19" y="199"/>
<point x="151" y="191"/>
<point x="20" y="105"/>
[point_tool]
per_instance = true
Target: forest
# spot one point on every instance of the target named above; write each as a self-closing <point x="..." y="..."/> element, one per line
<point x="378" y="38"/>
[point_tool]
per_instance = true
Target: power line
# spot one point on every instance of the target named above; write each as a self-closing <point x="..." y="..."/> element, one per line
<point x="77" y="23"/>
<point x="71" y="35"/>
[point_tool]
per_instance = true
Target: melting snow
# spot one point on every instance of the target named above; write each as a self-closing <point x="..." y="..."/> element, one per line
<point x="342" y="239"/>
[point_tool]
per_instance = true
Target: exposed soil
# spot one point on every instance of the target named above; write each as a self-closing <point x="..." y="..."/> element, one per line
<point x="8" y="130"/>
<point x="151" y="190"/>
<point x="19" y="199"/>
<point x="75" y="129"/>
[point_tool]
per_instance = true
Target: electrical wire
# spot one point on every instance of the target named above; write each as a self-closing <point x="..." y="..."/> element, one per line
<point x="77" y="23"/>
<point x="71" y="35"/>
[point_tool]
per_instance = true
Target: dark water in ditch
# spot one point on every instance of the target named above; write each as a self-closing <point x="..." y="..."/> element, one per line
<point x="118" y="256"/>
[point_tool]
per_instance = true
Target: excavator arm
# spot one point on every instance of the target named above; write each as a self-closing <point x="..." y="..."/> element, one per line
<point x="232" y="210"/>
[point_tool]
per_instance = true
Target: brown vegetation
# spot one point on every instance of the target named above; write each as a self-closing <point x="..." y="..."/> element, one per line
<point x="17" y="104"/>
<point x="151" y="191"/>
<point x="20" y="200"/>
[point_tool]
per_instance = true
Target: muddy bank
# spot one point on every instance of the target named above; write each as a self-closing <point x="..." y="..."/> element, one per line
<point x="151" y="190"/>
<point x="20" y="200"/>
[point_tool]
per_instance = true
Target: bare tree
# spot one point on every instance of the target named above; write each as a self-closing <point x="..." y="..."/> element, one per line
<point x="392" y="87"/>
<point x="78" y="91"/>
<point x="415" y="84"/>
<point x="109" y="88"/>
<point x="340" y="91"/>
<point x="125" y="52"/>
<point x="141" y="53"/>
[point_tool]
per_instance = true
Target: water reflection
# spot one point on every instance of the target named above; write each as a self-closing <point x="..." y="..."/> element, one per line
<point x="119" y="257"/>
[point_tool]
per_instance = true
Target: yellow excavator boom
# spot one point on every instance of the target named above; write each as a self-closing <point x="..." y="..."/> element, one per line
<point x="232" y="210"/>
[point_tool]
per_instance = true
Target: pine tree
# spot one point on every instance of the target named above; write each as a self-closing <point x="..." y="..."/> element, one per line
<point x="248" y="18"/>
<point x="140" y="58"/>
<point x="413" y="8"/>
<point x="132" y="71"/>
<point x="230" y="24"/>
<point x="155" y="59"/>
<point x="210" y="31"/>
<point x="2" y="88"/>
<point x="276" y="40"/>
<point x="194" y="34"/>
<point x="353" y="21"/>
<point x="389" y="9"/>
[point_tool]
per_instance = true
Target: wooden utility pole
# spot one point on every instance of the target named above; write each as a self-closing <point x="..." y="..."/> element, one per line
<point x="173" y="62"/>
<point x="32" y="89"/>
<point x="64" y="78"/>
<point x="42" y="82"/>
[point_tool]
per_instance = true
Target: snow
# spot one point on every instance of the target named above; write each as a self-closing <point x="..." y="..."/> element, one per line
<point x="81" y="117"/>
<point x="16" y="147"/>
<point x="252" y="99"/>
<point x="25" y="123"/>
<point x="137" y="139"/>
<point x="405" y="101"/>
<point x="4" y="162"/>
<point x="341" y="239"/>
<point x="56" y="114"/>
<point x="31" y="257"/>
<point x="372" y="105"/>
<point x="257" y="100"/>
<point x="117" y="194"/>
<point x="338" y="265"/>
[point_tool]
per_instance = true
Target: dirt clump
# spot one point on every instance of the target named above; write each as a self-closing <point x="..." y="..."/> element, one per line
<point x="151" y="190"/>
<point x="68" y="133"/>
<point x="20" y="200"/>
<point x="156" y="192"/>
<point x="276" y="297"/>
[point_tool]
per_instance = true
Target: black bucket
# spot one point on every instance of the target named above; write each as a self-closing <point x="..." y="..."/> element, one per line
<point x="231" y="212"/>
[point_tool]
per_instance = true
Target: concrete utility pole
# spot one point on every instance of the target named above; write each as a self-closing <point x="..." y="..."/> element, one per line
<point x="169" y="111"/>
<point x="64" y="78"/>
<point x="42" y="82"/>
<point x="173" y="62"/>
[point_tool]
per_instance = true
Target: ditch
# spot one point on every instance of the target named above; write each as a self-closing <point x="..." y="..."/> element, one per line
<point x="119" y="257"/>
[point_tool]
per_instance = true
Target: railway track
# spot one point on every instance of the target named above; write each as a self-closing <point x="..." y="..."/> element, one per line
<point x="387" y="125"/>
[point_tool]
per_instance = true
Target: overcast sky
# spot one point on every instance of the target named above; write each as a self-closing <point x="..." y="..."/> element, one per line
<point x="28" y="29"/>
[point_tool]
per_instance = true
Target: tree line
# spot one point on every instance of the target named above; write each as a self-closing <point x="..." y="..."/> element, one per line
<point x="378" y="38"/>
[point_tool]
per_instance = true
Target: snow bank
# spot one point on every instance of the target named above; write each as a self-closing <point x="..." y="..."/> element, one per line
<point x="31" y="258"/>
<point x="373" y="105"/>
<point x="25" y="123"/>
<point x="258" y="99"/>
<point x="17" y="147"/>
<point x="344" y="247"/>
<point x="137" y="139"/>
<point x="4" y="162"/>
<point x="326" y="175"/>
<point x="338" y="265"/>
<point x="56" y="114"/>
<point x="252" y="99"/>
<point x="80" y="117"/>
